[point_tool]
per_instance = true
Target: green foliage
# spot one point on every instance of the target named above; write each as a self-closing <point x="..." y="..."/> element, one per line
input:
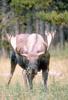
<point x="42" y="4"/>
<point x="54" y="17"/>
<point x="51" y="10"/>
<point x="66" y="17"/>
<point x="23" y="6"/>
<point x="59" y="5"/>
<point x="63" y="54"/>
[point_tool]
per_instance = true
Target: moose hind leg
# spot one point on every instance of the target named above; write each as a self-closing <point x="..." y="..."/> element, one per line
<point x="30" y="83"/>
<point x="13" y="66"/>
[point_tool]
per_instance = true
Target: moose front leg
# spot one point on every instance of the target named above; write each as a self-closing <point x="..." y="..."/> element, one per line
<point x="13" y="66"/>
<point x="45" y="77"/>
<point x="29" y="78"/>
<point x="25" y="78"/>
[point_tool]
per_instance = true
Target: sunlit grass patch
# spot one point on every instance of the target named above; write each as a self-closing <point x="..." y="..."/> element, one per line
<point x="59" y="52"/>
<point x="55" y="91"/>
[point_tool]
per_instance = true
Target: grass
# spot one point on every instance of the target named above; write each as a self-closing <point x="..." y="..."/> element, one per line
<point x="55" y="91"/>
<point x="60" y="52"/>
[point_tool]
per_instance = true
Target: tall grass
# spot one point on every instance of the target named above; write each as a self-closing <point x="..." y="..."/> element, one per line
<point x="59" y="52"/>
<point x="55" y="91"/>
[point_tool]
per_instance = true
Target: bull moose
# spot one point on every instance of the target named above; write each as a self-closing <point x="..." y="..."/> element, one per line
<point x="31" y="53"/>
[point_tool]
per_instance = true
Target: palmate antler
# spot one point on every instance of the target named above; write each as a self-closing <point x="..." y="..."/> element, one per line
<point x="50" y="37"/>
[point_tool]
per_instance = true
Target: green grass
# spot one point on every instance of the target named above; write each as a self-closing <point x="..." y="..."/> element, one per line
<point x="59" y="52"/>
<point x="55" y="91"/>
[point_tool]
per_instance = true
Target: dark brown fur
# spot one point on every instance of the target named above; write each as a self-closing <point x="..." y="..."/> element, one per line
<point x="42" y="63"/>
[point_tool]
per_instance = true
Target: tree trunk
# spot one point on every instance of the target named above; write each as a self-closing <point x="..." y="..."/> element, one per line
<point x="4" y="23"/>
<point x="42" y="28"/>
<point x="29" y="24"/>
<point x="47" y="26"/>
<point x="37" y="26"/>
<point x="61" y="36"/>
